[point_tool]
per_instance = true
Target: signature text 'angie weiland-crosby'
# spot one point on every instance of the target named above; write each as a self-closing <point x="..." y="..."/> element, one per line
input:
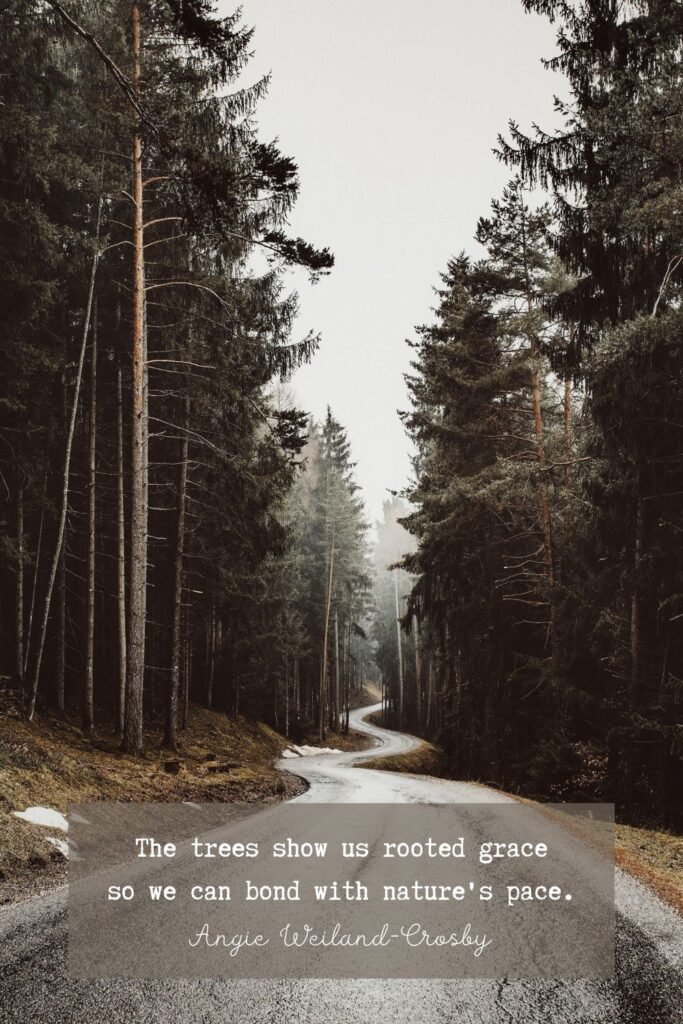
<point x="412" y="935"/>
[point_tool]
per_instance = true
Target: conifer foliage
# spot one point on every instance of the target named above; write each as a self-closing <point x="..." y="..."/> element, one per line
<point x="546" y="413"/>
<point x="147" y="466"/>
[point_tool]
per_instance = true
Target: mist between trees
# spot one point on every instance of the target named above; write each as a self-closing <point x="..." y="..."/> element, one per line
<point x="175" y="530"/>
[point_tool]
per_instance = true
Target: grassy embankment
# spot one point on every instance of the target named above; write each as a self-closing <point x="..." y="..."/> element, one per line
<point x="650" y="855"/>
<point x="51" y="763"/>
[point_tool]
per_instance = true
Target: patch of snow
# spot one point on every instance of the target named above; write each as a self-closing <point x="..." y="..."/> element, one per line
<point x="59" y="844"/>
<point x="43" y="816"/>
<point x="307" y="751"/>
<point x="79" y="819"/>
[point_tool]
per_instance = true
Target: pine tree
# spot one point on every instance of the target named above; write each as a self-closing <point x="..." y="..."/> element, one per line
<point x="190" y="490"/>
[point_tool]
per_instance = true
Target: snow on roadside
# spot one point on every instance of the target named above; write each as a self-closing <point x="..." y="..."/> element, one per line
<point x="43" y="816"/>
<point x="307" y="751"/>
<point x="47" y="818"/>
<point x="60" y="844"/>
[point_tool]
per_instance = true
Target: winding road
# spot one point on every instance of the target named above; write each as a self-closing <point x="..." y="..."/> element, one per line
<point x="648" y="989"/>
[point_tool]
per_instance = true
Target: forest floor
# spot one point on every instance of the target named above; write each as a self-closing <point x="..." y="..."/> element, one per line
<point x="51" y="763"/>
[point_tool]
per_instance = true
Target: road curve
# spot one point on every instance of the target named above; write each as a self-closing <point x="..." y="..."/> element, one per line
<point x="648" y="989"/>
<point x="332" y="778"/>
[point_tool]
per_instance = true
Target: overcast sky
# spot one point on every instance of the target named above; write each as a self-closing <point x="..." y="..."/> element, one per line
<point x="391" y="109"/>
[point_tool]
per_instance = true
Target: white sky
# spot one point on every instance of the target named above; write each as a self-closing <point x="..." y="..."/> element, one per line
<point x="391" y="109"/>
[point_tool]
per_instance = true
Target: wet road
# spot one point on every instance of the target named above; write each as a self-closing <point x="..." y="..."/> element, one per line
<point x="332" y="777"/>
<point x="648" y="989"/>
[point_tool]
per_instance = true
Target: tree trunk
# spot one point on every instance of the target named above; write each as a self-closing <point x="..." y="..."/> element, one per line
<point x="35" y="674"/>
<point x="19" y="594"/>
<point x="170" y="737"/>
<point x="211" y="656"/>
<point x="347" y="683"/>
<point x="286" y="696"/>
<point x="568" y="432"/>
<point x="546" y="521"/>
<point x="335" y="723"/>
<point x="218" y="647"/>
<point x="634" y="679"/>
<point x="88" y="690"/>
<point x="120" y="556"/>
<point x="326" y="631"/>
<point x="418" y="676"/>
<point x="61" y="586"/>
<point x="568" y="455"/>
<point x="132" y="741"/>
<point x="188" y="669"/>
<point x="36" y="569"/>
<point x="61" y="631"/>
<point x="400" y="652"/>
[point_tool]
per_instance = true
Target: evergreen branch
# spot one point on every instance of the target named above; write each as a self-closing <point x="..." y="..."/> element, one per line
<point x="121" y="80"/>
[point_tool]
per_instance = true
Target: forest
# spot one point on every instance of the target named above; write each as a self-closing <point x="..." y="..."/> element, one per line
<point x="545" y="591"/>
<point x="175" y="530"/>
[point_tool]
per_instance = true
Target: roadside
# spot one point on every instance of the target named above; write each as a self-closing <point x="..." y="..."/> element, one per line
<point x="51" y="763"/>
<point x="652" y="856"/>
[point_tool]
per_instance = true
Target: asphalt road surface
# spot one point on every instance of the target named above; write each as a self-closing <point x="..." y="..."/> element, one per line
<point x="648" y="989"/>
